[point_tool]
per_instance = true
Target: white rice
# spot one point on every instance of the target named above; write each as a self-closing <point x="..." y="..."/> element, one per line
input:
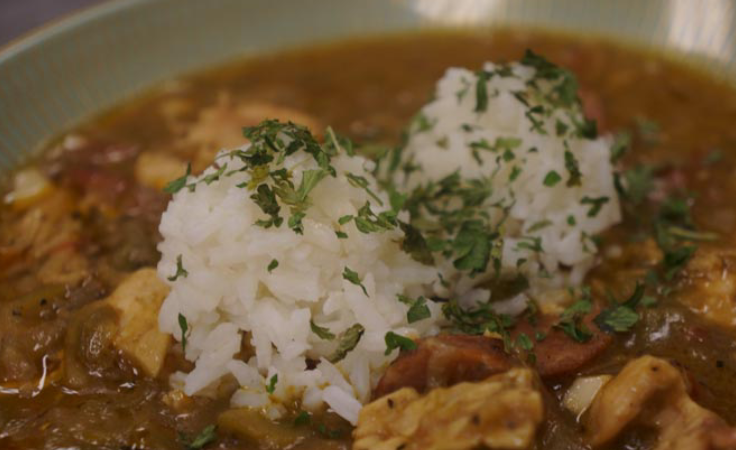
<point x="443" y="146"/>
<point x="229" y="291"/>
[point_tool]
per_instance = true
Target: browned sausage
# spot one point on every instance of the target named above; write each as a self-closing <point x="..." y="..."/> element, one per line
<point x="443" y="361"/>
<point x="558" y="354"/>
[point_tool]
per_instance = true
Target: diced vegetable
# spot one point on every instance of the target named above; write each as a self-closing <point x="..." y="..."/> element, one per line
<point x="29" y="186"/>
<point x="251" y="424"/>
<point x="582" y="393"/>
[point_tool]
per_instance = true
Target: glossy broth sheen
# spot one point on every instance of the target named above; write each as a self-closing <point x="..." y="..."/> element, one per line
<point x="369" y="89"/>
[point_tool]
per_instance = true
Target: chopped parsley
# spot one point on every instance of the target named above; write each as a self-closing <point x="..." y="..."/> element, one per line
<point x="369" y="222"/>
<point x="620" y="318"/>
<point x="271" y="387"/>
<point x="176" y="185"/>
<point x="205" y="437"/>
<point x="265" y="198"/>
<point x="271" y="142"/>
<point x="539" y="226"/>
<point x="621" y="144"/>
<point x="361" y="182"/>
<point x="515" y="172"/>
<point x="531" y="243"/>
<point x="353" y="277"/>
<point x="648" y="130"/>
<point x="596" y="204"/>
<point x="347" y="342"/>
<point x="321" y="332"/>
<point x="561" y="128"/>
<point x="211" y="178"/>
<point x="573" y="169"/>
<point x="571" y="319"/>
<point x="552" y="178"/>
<point x="523" y="341"/>
<point x="472" y="247"/>
<point x="418" y="309"/>
<point x="713" y="157"/>
<point x="341" y="234"/>
<point x="302" y="419"/>
<point x="415" y="244"/>
<point x="272" y="265"/>
<point x="675" y="234"/>
<point x="184" y="327"/>
<point x="394" y="341"/>
<point x="422" y="123"/>
<point x="481" y="91"/>
<point x="638" y="183"/>
<point x="180" y="270"/>
<point x="329" y="433"/>
<point x="478" y="320"/>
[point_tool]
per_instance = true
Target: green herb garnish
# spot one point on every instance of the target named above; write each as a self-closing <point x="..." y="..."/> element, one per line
<point x="321" y="332"/>
<point x="620" y="318"/>
<point x="596" y="204"/>
<point x="347" y="342"/>
<point x="271" y="388"/>
<point x="394" y="341"/>
<point x="552" y="178"/>
<point x="184" y="327"/>
<point x="418" y="309"/>
<point x="176" y="185"/>
<point x="303" y="418"/>
<point x="180" y="270"/>
<point x="354" y="278"/>
<point x="205" y="437"/>
<point x="481" y="91"/>
<point x="571" y="319"/>
<point x="573" y="169"/>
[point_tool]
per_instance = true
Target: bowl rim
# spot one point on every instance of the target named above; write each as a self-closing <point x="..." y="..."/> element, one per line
<point x="60" y="24"/>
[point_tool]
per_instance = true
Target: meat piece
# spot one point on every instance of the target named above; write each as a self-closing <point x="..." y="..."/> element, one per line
<point x="503" y="411"/>
<point x="558" y="354"/>
<point x="137" y="301"/>
<point x="155" y="170"/>
<point x="221" y="126"/>
<point x="89" y="348"/>
<point x="44" y="239"/>
<point x="593" y="108"/>
<point x="710" y="285"/>
<point x="651" y="392"/>
<point x="443" y="361"/>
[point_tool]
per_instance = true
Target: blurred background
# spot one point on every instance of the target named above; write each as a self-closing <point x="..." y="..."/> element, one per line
<point x="20" y="16"/>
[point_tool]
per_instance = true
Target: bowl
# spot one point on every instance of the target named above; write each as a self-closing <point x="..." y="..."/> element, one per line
<point x="64" y="73"/>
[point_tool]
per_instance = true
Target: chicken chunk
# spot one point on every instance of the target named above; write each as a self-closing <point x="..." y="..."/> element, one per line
<point x="137" y="301"/>
<point x="47" y="234"/>
<point x="711" y="285"/>
<point x="221" y="126"/>
<point x="651" y="392"/>
<point x="503" y="411"/>
<point x="155" y="170"/>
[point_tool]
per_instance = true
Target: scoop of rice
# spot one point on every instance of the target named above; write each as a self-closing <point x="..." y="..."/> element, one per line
<point x="328" y="285"/>
<point x="280" y="290"/>
<point x="518" y="130"/>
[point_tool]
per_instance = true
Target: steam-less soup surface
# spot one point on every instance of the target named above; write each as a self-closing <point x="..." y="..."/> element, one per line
<point x="74" y="372"/>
